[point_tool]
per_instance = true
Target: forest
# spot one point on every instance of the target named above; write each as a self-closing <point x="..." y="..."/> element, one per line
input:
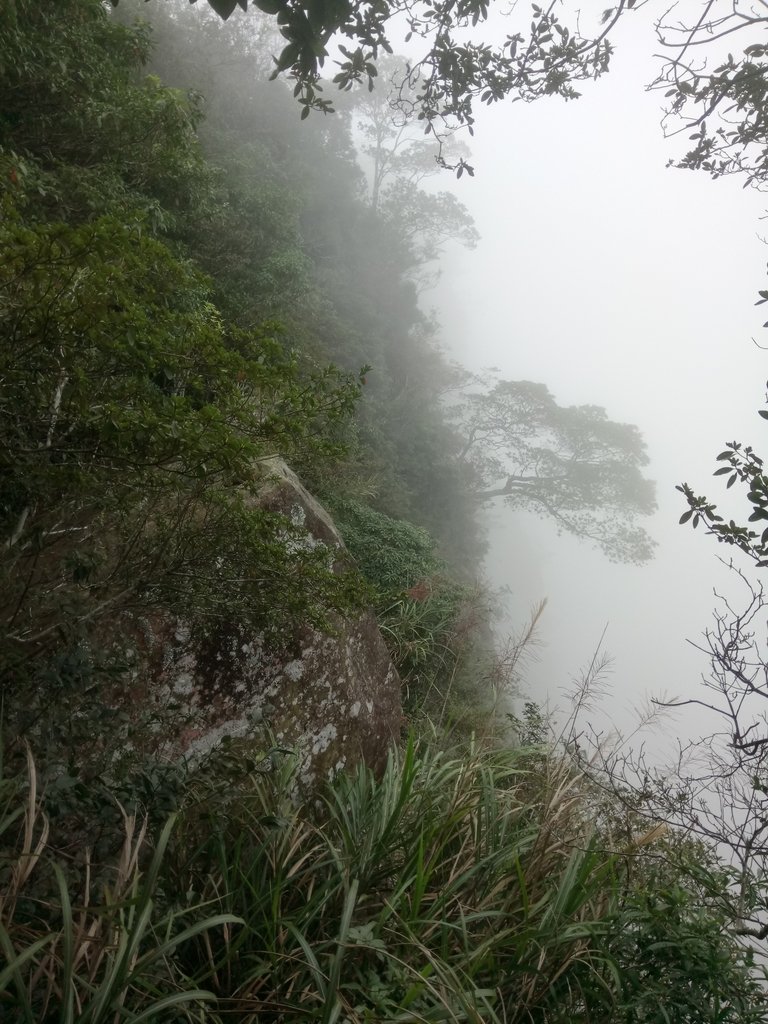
<point x="264" y="754"/>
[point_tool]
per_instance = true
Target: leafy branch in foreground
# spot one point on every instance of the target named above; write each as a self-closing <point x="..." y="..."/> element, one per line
<point x="742" y="465"/>
<point x="723" y="110"/>
<point x="716" y="790"/>
<point x="453" y="71"/>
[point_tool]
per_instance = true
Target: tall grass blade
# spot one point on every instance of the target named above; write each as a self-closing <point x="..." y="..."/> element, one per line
<point x="12" y="973"/>
<point x="333" y="1006"/>
<point x="67" y="985"/>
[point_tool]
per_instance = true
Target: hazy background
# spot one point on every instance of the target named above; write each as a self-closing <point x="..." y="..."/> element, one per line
<point x="618" y="282"/>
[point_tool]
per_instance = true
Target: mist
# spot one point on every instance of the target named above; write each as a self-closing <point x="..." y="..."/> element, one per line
<point x="617" y="281"/>
<point x="621" y="282"/>
<point x="345" y="564"/>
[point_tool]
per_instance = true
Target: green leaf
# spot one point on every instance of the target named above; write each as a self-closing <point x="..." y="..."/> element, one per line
<point x="224" y="7"/>
<point x="288" y="56"/>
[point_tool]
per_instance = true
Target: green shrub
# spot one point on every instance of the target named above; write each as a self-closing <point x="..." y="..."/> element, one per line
<point x="392" y="554"/>
<point x="132" y="426"/>
<point x="422" y="611"/>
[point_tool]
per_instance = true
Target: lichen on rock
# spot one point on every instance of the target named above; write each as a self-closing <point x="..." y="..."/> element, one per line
<point x="333" y="697"/>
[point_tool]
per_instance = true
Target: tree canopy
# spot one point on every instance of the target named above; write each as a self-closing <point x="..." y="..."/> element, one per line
<point x="718" y="96"/>
<point x="571" y="464"/>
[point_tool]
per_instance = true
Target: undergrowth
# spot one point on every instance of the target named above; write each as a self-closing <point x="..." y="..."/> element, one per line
<point x="468" y="885"/>
<point x="456" y="888"/>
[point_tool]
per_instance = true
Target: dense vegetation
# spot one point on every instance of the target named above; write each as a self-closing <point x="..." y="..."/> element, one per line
<point x="456" y="888"/>
<point x="194" y="281"/>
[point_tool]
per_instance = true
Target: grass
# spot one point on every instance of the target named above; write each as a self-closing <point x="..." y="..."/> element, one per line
<point x="466" y="886"/>
<point x="94" y="959"/>
<point x="450" y="889"/>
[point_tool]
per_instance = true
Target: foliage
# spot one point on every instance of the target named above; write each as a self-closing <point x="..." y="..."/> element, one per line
<point x="79" y="137"/>
<point x="716" y="787"/>
<point x="139" y="399"/>
<point x="293" y="236"/>
<point x="132" y="431"/>
<point x="676" y="930"/>
<point x="425" y="222"/>
<point x="393" y="555"/>
<point x="422" y="611"/>
<point x="723" y="110"/>
<point x="571" y="463"/>
<point x="434" y="891"/>
<point x="713" y="791"/>
<point x="742" y="465"/>
<point x="679" y="962"/>
<point x="461" y="885"/>
<point x="720" y="793"/>
<point x="397" y="158"/>
<point x="453" y="71"/>
<point x="392" y="139"/>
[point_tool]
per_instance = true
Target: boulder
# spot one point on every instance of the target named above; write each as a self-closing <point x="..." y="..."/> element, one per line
<point x="333" y="699"/>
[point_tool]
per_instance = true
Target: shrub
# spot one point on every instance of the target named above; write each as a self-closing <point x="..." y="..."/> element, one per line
<point x="132" y="426"/>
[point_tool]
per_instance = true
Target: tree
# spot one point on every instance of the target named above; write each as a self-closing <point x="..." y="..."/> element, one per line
<point x="398" y="157"/>
<point x="722" y="110"/>
<point x="571" y="464"/>
<point x="133" y="421"/>
<point x="393" y="138"/>
<point x="453" y="71"/>
<point x="423" y="223"/>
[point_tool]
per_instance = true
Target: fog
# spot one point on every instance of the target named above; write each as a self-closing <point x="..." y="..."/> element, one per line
<point x="620" y="282"/>
<point x="269" y="378"/>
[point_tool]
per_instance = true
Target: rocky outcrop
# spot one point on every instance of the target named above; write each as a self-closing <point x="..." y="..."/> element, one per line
<point x="334" y="699"/>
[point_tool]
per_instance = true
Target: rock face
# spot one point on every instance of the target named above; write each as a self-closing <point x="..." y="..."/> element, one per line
<point x="333" y="699"/>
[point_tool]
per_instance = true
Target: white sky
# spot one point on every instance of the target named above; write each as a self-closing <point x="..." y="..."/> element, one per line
<point x="617" y="282"/>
